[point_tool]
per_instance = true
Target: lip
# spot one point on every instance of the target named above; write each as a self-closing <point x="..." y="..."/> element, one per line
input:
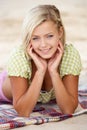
<point x="45" y="50"/>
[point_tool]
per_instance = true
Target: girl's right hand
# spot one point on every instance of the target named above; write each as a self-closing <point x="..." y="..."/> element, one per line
<point x="40" y="63"/>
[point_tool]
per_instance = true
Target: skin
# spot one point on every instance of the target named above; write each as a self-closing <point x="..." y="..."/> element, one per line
<point x="46" y="52"/>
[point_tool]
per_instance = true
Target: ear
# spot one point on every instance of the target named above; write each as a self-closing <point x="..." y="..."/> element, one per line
<point x="60" y="32"/>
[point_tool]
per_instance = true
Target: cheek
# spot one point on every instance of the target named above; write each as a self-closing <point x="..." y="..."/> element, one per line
<point x="56" y="45"/>
<point x="34" y="45"/>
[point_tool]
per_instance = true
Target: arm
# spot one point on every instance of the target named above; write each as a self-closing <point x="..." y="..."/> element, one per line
<point x="25" y="96"/>
<point x="66" y="92"/>
<point x="66" y="89"/>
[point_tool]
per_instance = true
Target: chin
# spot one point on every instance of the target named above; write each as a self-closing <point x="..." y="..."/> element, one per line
<point x="46" y="57"/>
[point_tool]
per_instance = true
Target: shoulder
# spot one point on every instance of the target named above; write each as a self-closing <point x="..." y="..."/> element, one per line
<point x="70" y="50"/>
<point x="71" y="54"/>
<point x="17" y="56"/>
<point x="18" y="64"/>
<point x="71" y="61"/>
<point x="17" y="51"/>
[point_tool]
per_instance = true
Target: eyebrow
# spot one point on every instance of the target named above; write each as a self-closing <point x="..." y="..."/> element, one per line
<point x="45" y="34"/>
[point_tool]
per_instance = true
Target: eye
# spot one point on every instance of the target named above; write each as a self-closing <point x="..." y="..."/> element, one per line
<point x="49" y="36"/>
<point x="35" y="38"/>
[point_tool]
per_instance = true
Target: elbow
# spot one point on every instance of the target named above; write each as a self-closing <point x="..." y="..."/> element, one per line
<point x="22" y="112"/>
<point x="70" y="109"/>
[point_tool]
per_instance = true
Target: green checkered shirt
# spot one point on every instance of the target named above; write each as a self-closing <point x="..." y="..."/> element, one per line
<point x="19" y="65"/>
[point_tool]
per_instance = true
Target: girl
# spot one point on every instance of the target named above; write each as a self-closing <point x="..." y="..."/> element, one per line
<point x="43" y="67"/>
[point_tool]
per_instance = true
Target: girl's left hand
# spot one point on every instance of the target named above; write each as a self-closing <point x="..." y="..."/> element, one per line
<point x="54" y="62"/>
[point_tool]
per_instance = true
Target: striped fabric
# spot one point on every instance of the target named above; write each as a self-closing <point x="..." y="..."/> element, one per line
<point x="42" y="113"/>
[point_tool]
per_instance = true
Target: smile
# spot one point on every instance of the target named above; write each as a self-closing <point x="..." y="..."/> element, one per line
<point x="45" y="50"/>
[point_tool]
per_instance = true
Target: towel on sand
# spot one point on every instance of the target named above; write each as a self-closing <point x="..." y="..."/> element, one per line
<point x="42" y="113"/>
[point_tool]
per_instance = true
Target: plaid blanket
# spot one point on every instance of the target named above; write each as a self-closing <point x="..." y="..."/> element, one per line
<point x="42" y="113"/>
<point x="83" y="98"/>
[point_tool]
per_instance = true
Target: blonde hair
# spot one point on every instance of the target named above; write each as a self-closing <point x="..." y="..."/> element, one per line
<point x="38" y="15"/>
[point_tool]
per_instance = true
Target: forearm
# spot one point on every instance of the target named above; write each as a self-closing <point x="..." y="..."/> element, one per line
<point x="65" y="100"/>
<point x="27" y="101"/>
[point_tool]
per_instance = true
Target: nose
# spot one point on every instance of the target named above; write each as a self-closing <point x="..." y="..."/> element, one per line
<point x="43" y="43"/>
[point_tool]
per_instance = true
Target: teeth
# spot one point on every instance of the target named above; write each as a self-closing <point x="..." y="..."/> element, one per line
<point x="45" y="50"/>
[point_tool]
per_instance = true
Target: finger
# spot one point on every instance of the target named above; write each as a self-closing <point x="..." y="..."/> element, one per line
<point x="29" y="46"/>
<point x="61" y="46"/>
<point x="60" y="51"/>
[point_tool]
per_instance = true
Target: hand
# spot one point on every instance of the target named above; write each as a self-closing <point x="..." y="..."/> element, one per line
<point x="40" y="63"/>
<point x="54" y="62"/>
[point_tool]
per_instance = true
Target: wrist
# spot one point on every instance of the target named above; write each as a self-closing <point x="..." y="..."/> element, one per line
<point x="40" y="73"/>
<point x="53" y="73"/>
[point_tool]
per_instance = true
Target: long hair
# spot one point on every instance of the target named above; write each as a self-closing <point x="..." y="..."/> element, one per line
<point x="38" y="15"/>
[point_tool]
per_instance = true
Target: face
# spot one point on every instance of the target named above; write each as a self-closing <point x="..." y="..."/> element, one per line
<point x="45" y="39"/>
